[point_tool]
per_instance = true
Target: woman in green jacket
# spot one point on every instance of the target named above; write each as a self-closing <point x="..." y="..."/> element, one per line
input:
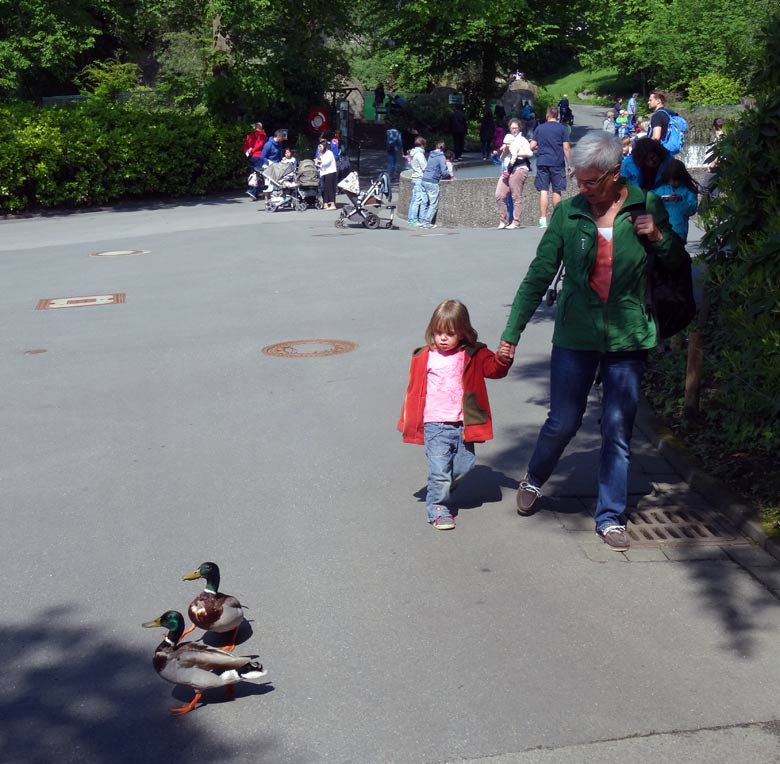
<point x="602" y="324"/>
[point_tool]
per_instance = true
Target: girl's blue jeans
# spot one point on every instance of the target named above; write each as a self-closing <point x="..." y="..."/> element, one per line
<point x="449" y="458"/>
<point x="571" y="376"/>
<point x="413" y="216"/>
<point x="430" y="200"/>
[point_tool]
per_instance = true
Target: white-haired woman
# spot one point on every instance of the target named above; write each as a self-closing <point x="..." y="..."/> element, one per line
<point x="602" y="324"/>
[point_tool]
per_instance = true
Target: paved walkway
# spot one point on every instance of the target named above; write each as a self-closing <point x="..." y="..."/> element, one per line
<point x="148" y="435"/>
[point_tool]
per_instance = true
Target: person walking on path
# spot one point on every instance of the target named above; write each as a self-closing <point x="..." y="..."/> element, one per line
<point x="659" y="119"/>
<point x="253" y="149"/>
<point x="551" y="142"/>
<point x="272" y="153"/>
<point x="517" y="150"/>
<point x="418" y="163"/>
<point x="435" y="170"/>
<point x="601" y="236"/>
<point x="379" y="101"/>
<point x="458" y="129"/>
<point x="645" y="165"/>
<point x="486" y="129"/>
<point x="394" y="146"/>
<point x="446" y="406"/>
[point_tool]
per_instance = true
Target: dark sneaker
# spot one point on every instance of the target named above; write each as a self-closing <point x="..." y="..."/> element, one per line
<point x="444" y="523"/>
<point x="527" y="494"/>
<point x="615" y="537"/>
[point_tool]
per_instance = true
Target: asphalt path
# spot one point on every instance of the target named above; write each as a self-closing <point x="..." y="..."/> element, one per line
<point x="145" y="437"/>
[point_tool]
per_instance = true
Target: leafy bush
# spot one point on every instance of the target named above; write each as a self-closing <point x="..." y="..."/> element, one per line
<point x="743" y="242"/>
<point x="714" y="90"/>
<point x="100" y="151"/>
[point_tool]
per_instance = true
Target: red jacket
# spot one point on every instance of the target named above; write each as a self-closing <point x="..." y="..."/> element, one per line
<point x="481" y="362"/>
<point x="255" y="141"/>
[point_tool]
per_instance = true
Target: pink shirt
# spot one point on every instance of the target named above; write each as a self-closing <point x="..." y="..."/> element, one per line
<point x="444" y="394"/>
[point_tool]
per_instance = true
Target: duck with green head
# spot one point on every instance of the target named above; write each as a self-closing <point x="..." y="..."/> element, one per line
<point x="197" y="665"/>
<point x="212" y="610"/>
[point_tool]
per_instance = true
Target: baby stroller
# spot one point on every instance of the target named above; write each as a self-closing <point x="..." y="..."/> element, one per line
<point x="377" y="195"/>
<point x="285" y="190"/>
<point x="309" y="183"/>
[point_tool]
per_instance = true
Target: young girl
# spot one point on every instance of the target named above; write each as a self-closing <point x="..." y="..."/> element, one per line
<point x="678" y="192"/>
<point x="446" y="406"/>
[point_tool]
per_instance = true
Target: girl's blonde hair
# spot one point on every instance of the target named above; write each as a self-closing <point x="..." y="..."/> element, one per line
<point x="451" y="316"/>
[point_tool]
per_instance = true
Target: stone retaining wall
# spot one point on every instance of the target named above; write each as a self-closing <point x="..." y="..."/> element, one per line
<point x="471" y="202"/>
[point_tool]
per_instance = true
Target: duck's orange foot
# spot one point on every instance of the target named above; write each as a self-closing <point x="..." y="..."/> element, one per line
<point x="181" y="710"/>
<point x="232" y="646"/>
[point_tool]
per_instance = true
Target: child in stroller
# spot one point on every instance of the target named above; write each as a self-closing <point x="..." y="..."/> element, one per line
<point x="373" y="196"/>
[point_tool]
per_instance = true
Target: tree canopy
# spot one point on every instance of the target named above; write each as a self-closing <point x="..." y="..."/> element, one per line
<point x="239" y="56"/>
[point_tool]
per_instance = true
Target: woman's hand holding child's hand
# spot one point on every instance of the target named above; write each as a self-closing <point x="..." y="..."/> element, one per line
<point x="506" y="351"/>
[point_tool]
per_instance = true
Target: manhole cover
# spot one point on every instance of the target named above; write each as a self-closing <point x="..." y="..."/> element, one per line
<point x="309" y="348"/>
<point x="671" y="525"/>
<point x="119" y="252"/>
<point x="51" y="303"/>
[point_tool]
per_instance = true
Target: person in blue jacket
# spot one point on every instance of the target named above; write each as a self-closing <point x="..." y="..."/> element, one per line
<point x="645" y="165"/>
<point x="272" y="152"/>
<point x="679" y="193"/>
<point x="435" y="170"/>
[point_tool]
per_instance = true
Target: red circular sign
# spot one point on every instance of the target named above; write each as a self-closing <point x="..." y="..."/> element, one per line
<point x="318" y="120"/>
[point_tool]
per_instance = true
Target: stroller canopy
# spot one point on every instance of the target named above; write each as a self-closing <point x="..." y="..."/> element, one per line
<point x="308" y="174"/>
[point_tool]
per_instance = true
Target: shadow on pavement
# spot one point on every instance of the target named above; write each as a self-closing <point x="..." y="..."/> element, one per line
<point x="74" y="695"/>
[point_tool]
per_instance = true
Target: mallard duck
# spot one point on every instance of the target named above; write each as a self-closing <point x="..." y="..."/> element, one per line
<point x="211" y="610"/>
<point x="197" y="665"/>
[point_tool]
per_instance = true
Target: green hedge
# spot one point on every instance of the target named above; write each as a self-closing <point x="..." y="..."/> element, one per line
<point x="96" y="152"/>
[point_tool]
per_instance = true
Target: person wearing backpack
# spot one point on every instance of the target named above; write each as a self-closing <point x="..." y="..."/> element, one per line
<point x="666" y="126"/>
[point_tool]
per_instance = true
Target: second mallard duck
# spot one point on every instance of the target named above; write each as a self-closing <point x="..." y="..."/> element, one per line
<point x="212" y="610"/>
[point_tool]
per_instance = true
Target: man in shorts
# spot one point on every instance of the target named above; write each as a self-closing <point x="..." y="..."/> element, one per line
<point x="551" y="144"/>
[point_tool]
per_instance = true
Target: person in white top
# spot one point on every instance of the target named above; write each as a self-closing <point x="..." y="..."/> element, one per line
<point x="326" y="163"/>
<point x="515" y="157"/>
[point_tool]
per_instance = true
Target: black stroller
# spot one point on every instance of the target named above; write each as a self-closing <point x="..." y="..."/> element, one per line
<point x="285" y="190"/>
<point x="309" y="183"/>
<point x="377" y="195"/>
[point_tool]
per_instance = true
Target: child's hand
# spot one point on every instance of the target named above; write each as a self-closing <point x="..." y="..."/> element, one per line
<point x="506" y="351"/>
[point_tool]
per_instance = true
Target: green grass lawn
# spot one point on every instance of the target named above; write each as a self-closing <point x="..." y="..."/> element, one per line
<point x="606" y="83"/>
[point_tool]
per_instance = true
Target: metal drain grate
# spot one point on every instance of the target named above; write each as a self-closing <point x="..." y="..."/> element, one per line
<point x="671" y="525"/>
<point x="53" y="303"/>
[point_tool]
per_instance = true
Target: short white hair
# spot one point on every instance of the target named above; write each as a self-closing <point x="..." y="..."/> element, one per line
<point x="597" y="150"/>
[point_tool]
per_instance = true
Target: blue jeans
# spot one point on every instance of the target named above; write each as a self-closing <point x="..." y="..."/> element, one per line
<point x="413" y="216"/>
<point x="449" y="458"/>
<point x="430" y="200"/>
<point x="571" y="375"/>
<point x="392" y="162"/>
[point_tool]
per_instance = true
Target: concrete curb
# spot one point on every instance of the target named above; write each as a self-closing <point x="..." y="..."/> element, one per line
<point x="715" y="492"/>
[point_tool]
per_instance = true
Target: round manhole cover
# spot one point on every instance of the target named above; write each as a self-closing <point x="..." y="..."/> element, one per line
<point x="119" y="252"/>
<point x="309" y="348"/>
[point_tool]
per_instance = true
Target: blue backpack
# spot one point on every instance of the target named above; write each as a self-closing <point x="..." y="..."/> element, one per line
<point x="674" y="139"/>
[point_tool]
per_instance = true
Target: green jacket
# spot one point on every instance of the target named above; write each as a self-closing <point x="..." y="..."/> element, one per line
<point x="583" y="321"/>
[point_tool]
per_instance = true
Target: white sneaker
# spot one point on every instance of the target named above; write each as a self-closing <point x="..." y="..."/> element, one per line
<point x="501" y="226"/>
<point x="513" y="226"/>
<point x="542" y="222"/>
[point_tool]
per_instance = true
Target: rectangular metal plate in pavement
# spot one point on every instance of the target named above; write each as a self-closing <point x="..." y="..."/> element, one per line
<point x="80" y="302"/>
<point x="664" y="525"/>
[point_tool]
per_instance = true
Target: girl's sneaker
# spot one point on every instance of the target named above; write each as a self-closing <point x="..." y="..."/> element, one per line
<point x="444" y="523"/>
